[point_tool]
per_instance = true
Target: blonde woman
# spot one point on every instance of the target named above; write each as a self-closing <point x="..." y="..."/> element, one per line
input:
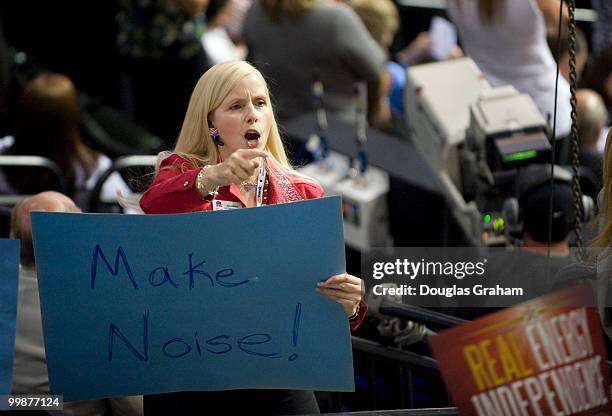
<point x="229" y="148"/>
<point x="48" y="125"/>
<point x="602" y="245"/>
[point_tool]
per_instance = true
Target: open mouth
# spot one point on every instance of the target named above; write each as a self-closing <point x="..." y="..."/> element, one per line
<point x="252" y="137"/>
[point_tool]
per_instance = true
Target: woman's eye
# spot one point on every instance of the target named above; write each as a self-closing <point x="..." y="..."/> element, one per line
<point x="261" y="103"/>
<point x="235" y="107"/>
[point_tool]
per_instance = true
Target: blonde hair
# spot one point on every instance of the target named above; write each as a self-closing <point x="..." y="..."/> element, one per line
<point x="194" y="142"/>
<point x="379" y="16"/>
<point x="293" y="8"/>
<point x="604" y="239"/>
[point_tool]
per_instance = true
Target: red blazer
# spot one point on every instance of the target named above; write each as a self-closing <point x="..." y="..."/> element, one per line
<point x="173" y="191"/>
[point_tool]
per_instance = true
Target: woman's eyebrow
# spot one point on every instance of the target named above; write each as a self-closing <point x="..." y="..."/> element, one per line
<point x="232" y="100"/>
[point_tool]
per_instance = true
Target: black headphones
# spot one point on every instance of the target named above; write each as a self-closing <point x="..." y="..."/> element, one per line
<point x="529" y="180"/>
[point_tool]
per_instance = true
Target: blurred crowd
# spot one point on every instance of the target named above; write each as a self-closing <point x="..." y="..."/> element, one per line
<point x="82" y="83"/>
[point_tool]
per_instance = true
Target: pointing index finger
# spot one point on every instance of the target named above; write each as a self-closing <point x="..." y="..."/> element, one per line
<point x="253" y="153"/>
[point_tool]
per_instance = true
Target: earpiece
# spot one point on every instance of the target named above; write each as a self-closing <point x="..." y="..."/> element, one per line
<point x="214" y="134"/>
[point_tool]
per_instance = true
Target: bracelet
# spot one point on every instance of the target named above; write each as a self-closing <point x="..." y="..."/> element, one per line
<point x="200" y="184"/>
<point x="356" y="314"/>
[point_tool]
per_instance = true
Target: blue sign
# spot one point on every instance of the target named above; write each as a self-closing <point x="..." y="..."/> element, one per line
<point x="142" y="304"/>
<point x="9" y="276"/>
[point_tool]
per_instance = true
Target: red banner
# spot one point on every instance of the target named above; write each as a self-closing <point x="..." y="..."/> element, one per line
<point x="542" y="357"/>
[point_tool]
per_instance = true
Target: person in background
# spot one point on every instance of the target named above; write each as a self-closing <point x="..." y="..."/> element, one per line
<point x="582" y="52"/>
<point x="235" y="23"/>
<point x="539" y="253"/>
<point x="162" y="56"/>
<point x="290" y="41"/>
<point x="533" y="190"/>
<point x="598" y="76"/>
<point x="507" y="40"/>
<point x="217" y="43"/>
<point x="230" y="152"/>
<point x="381" y="18"/>
<point x="592" y="119"/>
<point x="30" y="374"/>
<point x="48" y="125"/>
<point x="602" y="36"/>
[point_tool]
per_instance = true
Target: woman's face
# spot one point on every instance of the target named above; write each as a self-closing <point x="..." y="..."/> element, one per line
<point x="244" y="117"/>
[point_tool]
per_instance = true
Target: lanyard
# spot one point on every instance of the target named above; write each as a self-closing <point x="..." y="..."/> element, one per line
<point x="261" y="180"/>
